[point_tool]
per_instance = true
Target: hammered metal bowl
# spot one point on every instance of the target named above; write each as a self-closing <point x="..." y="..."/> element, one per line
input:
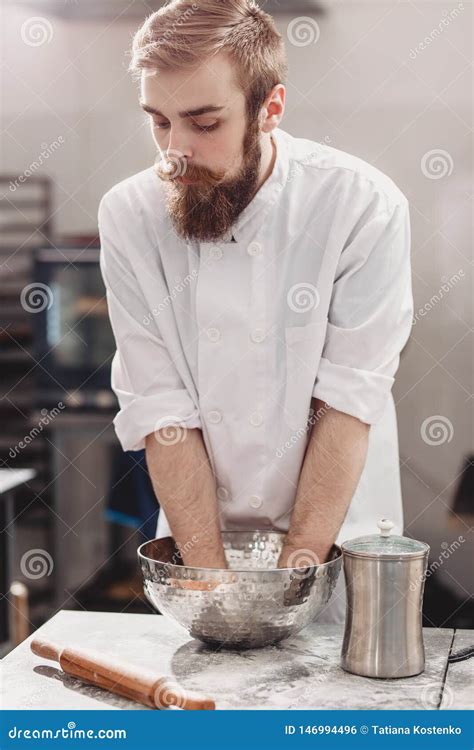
<point x="251" y="604"/>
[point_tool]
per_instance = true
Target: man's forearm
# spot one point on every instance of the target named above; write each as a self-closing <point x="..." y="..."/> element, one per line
<point x="184" y="484"/>
<point x="333" y="464"/>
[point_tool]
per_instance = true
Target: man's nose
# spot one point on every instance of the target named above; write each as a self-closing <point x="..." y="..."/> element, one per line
<point x="178" y="144"/>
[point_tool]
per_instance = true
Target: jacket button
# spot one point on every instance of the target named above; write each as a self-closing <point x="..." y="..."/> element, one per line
<point x="222" y="493"/>
<point x="254" y="248"/>
<point x="255" y="501"/>
<point x="257" y="335"/>
<point x="214" y="416"/>
<point x="215" y="253"/>
<point x="256" y="419"/>
<point x="213" y="334"/>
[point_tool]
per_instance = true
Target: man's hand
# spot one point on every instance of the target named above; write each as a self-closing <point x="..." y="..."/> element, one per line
<point x="333" y="464"/>
<point x="185" y="487"/>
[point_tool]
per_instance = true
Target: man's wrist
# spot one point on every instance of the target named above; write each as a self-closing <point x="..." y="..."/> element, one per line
<point x="301" y="553"/>
<point x="203" y="553"/>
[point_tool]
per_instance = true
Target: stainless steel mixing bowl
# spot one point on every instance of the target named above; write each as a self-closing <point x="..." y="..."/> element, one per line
<point x="252" y="603"/>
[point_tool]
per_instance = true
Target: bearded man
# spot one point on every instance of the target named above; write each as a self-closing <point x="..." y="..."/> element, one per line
<point x="259" y="291"/>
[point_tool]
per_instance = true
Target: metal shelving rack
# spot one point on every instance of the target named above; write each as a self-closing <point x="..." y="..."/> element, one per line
<point x="25" y="225"/>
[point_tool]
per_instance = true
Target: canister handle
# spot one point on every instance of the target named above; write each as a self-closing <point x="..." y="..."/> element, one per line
<point x="385" y="526"/>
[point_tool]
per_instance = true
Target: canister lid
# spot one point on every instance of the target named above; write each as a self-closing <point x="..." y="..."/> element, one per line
<point x="384" y="545"/>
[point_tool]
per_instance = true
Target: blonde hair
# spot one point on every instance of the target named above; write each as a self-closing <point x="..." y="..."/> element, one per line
<point x="182" y="34"/>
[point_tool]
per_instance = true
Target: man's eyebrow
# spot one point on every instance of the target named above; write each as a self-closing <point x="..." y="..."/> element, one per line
<point x="186" y="113"/>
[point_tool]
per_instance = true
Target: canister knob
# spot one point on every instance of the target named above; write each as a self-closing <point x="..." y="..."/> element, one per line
<point x="385" y="526"/>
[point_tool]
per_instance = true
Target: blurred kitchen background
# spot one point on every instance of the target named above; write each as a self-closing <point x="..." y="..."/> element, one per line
<point x="390" y="81"/>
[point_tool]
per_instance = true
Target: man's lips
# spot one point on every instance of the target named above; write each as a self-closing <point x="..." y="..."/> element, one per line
<point x="185" y="181"/>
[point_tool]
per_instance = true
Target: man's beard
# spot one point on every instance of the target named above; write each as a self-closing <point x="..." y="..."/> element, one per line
<point x="206" y="211"/>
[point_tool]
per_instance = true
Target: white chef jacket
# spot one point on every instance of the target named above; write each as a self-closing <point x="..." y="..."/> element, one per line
<point x="308" y="296"/>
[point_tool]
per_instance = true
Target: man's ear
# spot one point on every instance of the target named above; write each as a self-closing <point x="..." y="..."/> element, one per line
<point x="273" y="108"/>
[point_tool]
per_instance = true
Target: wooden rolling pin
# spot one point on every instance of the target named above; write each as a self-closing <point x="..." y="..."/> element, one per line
<point x="138" y="684"/>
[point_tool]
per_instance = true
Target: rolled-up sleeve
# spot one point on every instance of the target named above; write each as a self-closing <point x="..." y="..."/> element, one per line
<point x="370" y="316"/>
<point x="149" y="389"/>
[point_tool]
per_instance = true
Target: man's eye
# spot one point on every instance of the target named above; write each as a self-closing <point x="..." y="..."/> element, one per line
<point x="196" y="126"/>
<point x="205" y="128"/>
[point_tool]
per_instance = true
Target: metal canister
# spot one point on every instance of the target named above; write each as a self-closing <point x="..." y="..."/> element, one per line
<point x="385" y="577"/>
